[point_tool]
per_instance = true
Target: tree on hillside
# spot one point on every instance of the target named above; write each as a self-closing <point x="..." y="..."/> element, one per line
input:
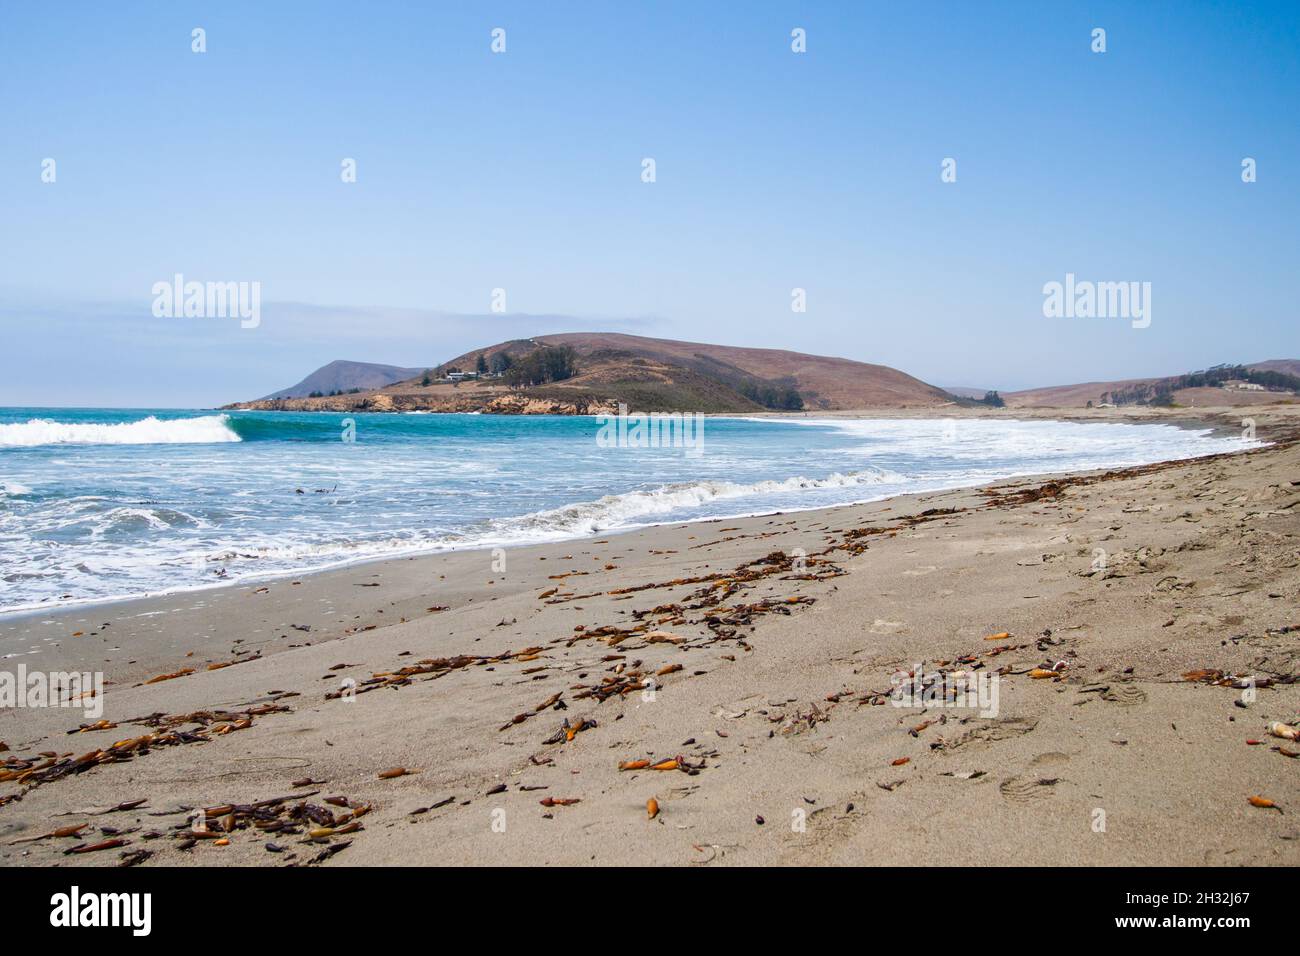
<point x="546" y="364"/>
<point x="481" y="366"/>
<point x="782" y="396"/>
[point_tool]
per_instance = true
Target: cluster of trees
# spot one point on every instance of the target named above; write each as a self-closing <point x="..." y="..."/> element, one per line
<point x="1158" y="394"/>
<point x="775" y="395"/>
<point x="499" y="364"/>
<point x="337" y="391"/>
<point x="1162" y="393"/>
<point x="992" y="399"/>
<point x="550" y="363"/>
<point x="1238" y="373"/>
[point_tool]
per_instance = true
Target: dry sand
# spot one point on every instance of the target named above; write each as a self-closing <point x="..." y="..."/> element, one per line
<point x="774" y="700"/>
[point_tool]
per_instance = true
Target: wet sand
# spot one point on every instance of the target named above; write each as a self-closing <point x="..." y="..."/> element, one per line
<point x="1132" y="602"/>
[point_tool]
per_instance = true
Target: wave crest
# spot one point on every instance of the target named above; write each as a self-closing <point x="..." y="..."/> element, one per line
<point x="147" y="431"/>
<point x="618" y="511"/>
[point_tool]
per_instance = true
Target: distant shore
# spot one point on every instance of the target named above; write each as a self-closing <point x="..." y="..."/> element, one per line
<point x="1222" y="420"/>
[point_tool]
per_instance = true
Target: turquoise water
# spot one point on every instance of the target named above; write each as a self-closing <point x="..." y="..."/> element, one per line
<point x="98" y="504"/>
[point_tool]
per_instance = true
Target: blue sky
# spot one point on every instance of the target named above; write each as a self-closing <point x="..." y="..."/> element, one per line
<point x="522" y="171"/>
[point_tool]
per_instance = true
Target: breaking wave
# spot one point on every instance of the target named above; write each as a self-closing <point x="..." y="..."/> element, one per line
<point x="620" y="511"/>
<point x="146" y="431"/>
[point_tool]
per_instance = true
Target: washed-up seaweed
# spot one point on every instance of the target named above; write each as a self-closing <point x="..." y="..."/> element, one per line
<point x="435" y="668"/>
<point x="170" y="732"/>
<point x="552" y="701"/>
<point x="569" y="730"/>
<point x="286" y="816"/>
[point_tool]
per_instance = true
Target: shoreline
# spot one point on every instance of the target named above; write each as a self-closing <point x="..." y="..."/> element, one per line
<point x="1212" y="420"/>
<point x="15" y="614"/>
<point x="771" y="674"/>
<point x="26" y="625"/>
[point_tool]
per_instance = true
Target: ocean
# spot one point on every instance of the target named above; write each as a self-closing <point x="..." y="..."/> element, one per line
<point x="99" y="504"/>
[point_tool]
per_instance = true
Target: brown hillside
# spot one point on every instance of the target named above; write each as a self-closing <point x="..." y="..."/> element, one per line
<point x="1075" y="396"/>
<point x="605" y="378"/>
<point x="646" y="375"/>
<point x="1286" y="366"/>
<point x="1068" y="396"/>
<point x="823" y="381"/>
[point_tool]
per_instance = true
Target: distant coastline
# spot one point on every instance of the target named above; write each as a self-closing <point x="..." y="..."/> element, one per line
<point x="593" y="373"/>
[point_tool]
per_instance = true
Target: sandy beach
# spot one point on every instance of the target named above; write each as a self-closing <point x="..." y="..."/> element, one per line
<point x="1143" y="627"/>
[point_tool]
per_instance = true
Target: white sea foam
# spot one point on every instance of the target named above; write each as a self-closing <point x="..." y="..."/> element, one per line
<point x="611" y="512"/>
<point x="146" y="431"/>
<point x="120" y="526"/>
<point x="1035" y="445"/>
<point x="631" y="508"/>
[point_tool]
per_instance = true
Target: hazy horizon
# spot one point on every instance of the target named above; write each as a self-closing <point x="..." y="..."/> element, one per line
<point x="299" y="375"/>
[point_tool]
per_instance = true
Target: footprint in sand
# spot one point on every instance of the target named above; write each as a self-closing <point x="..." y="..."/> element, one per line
<point x="1023" y="790"/>
<point x="1126" y="695"/>
<point x="997" y="730"/>
<point x="1053" y="758"/>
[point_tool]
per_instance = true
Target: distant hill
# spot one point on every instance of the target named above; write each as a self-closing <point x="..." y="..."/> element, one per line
<point x="1285" y="366"/>
<point x="643" y="373"/>
<point x="343" y="376"/>
<point x="824" y="382"/>
<point x="1181" y="390"/>
<point x="599" y="370"/>
<point x="1069" y="396"/>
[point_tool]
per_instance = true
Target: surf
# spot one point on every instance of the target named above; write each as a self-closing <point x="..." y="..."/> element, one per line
<point x="100" y="504"/>
<point x="622" y="511"/>
<point x="208" y="429"/>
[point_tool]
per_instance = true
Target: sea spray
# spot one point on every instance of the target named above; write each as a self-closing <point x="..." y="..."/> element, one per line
<point x="145" y="431"/>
